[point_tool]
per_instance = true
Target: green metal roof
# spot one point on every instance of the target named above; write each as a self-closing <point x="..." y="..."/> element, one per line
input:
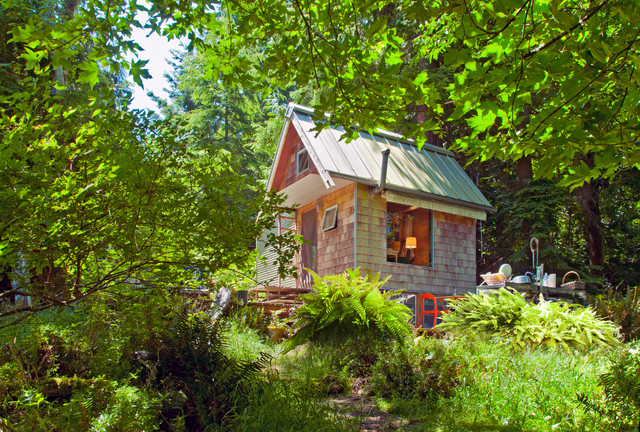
<point x="431" y="172"/>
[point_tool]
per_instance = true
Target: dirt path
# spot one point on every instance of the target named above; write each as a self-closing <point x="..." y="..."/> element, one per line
<point x="364" y="410"/>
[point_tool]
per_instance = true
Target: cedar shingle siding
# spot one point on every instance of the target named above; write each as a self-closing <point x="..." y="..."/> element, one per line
<point x="454" y="265"/>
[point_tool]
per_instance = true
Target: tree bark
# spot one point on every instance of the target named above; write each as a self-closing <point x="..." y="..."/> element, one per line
<point x="589" y="200"/>
<point x="524" y="170"/>
<point x="421" y="117"/>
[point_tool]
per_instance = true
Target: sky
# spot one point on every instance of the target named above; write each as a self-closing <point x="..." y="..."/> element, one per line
<point x="156" y="49"/>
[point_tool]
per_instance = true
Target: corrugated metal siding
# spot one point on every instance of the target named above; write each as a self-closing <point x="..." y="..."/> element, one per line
<point x="430" y="170"/>
<point x="267" y="272"/>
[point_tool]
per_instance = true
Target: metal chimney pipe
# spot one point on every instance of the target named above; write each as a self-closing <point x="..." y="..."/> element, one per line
<point x="383" y="173"/>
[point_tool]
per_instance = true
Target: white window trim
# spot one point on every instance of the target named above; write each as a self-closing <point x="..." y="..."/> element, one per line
<point x="298" y="171"/>
<point x="331" y="222"/>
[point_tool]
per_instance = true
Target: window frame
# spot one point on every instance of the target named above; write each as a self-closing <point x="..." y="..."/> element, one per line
<point x="308" y="163"/>
<point x="333" y="224"/>
<point x="431" y="239"/>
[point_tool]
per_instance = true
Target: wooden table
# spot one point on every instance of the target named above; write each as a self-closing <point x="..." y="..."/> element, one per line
<point x="392" y="253"/>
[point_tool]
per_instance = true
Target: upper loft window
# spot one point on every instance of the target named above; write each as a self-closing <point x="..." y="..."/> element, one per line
<point x="330" y="219"/>
<point x="302" y="158"/>
<point x="409" y="235"/>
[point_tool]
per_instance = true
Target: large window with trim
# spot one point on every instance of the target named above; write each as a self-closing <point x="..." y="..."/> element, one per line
<point x="409" y="235"/>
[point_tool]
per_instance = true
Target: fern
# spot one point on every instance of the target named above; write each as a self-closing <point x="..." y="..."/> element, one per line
<point x="621" y="385"/>
<point x="526" y="324"/>
<point x="349" y="307"/>
<point x="623" y="309"/>
<point x="191" y="359"/>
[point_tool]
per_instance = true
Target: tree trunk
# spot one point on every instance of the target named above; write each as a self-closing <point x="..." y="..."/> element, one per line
<point x="525" y="171"/>
<point x="421" y="117"/>
<point x="589" y="200"/>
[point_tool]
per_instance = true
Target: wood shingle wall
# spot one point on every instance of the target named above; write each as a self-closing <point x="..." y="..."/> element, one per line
<point x="335" y="251"/>
<point x="453" y="269"/>
<point x="291" y="172"/>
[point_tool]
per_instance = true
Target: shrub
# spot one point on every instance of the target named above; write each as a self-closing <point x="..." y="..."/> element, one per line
<point x="136" y="355"/>
<point x="622" y="309"/>
<point x="251" y="317"/>
<point x="350" y="313"/>
<point x="426" y="369"/>
<point x="130" y="408"/>
<point x="620" y="405"/>
<point x="199" y="381"/>
<point x="527" y="324"/>
<point x="472" y="382"/>
<point x="349" y="306"/>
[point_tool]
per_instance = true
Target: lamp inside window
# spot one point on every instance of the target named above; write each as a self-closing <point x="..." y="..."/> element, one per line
<point x="411" y="243"/>
<point x="409" y="234"/>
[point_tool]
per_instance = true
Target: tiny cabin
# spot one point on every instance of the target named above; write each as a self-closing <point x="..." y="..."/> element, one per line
<point x="378" y="203"/>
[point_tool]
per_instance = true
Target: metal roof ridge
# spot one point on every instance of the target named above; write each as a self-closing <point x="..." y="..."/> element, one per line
<point x="385" y="133"/>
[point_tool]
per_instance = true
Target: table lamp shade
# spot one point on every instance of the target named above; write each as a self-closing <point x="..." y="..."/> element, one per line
<point x="411" y="243"/>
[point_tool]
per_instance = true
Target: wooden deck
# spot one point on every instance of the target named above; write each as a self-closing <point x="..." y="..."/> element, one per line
<point x="273" y="298"/>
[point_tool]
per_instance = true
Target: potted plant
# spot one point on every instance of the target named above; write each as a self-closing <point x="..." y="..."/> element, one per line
<point x="393" y="231"/>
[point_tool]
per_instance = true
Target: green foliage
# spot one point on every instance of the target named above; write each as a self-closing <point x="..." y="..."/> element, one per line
<point x="527" y="324"/>
<point x="283" y="406"/>
<point x="487" y="313"/>
<point x="622" y="384"/>
<point x="621" y="229"/>
<point x="560" y="90"/>
<point x="130" y="408"/>
<point x="220" y="115"/>
<point x="426" y="370"/>
<point x="252" y="317"/>
<point x="620" y="404"/>
<point x="532" y="390"/>
<point x="200" y="383"/>
<point x="118" y="364"/>
<point x="349" y="308"/>
<point x="535" y="208"/>
<point x="94" y="196"/>
<point x="245" y="333"/>
<point x="622" y="309"/>
<point x="482" y="384"/>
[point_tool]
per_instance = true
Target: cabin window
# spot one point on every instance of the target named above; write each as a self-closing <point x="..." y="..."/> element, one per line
<point x="330" y="219"/>
<point x="409" y="235"/>
<point x="302" y="161"/>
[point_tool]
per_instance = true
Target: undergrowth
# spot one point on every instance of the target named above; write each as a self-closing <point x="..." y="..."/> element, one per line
<point x="478" y="383"/>
<point x="528" y="324"/>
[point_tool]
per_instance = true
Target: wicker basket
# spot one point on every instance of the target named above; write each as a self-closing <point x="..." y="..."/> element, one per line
<point x="579" y="285"/>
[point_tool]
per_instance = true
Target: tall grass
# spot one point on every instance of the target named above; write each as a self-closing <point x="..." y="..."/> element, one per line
<point x="283" y="406"/>
<point x="243" y="342"/>
<point x="494" y="388"/>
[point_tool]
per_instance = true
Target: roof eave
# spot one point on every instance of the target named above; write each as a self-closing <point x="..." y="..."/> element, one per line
<point x="276" y="158"/>
<point x="426" y="195"/>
